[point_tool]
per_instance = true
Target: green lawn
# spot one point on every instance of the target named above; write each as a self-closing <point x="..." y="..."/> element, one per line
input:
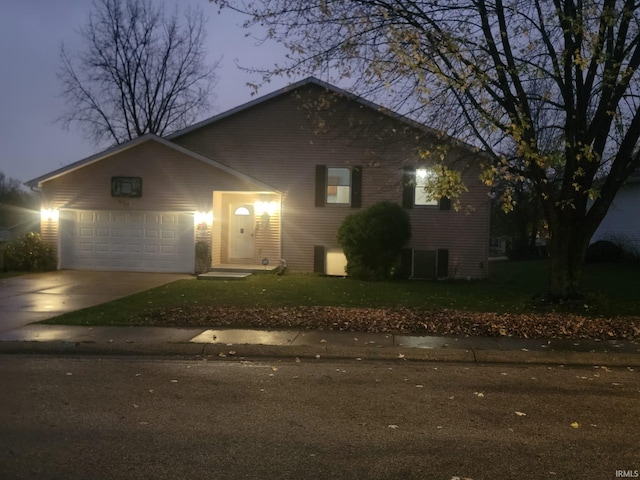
<point x="612" y="291"/>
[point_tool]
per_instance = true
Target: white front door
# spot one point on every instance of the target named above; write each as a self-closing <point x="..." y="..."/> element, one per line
<point x="241" y="232"/>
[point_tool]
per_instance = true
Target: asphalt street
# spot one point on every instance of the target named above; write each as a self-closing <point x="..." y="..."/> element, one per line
<point x="74" y="417"/>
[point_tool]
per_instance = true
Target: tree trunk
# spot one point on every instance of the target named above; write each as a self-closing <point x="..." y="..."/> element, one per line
<point x="567" y="251"/>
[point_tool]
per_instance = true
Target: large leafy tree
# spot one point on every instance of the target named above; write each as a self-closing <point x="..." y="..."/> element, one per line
<point x="548" y="88"/>
<point x="140" y="71"/>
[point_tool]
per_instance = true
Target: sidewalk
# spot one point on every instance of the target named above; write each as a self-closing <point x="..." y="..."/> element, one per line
<point x="62" y="339"/>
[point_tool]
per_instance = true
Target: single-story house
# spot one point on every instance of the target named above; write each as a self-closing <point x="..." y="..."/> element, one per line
<point x="265" y="182"/>
<point x="621" y="224"/>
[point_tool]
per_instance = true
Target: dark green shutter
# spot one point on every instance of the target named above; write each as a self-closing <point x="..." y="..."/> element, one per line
<point x="318" y="259"/>
<point x="408" y="187"/>
<point x="443" y="263"/>
<point x="445" y="203"/>
<point x="321" y="185"/>
<point x="356" y="186"/>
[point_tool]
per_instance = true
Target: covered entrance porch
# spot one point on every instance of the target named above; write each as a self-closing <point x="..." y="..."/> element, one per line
<point x="244" y="233"/>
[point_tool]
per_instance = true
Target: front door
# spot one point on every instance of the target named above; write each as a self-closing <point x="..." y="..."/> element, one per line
<point x="241" y="232"/>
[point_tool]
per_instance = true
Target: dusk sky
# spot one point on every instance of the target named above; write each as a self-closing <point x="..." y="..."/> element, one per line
<point x="31" y="32"/>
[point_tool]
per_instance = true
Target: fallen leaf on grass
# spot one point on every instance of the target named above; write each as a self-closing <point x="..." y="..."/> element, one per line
<point x="575" y="425"/>
<point x="398" y="320"/>
<point x="521" y="414"/>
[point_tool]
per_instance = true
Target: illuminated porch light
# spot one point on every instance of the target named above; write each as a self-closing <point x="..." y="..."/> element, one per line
<point x="203" y="217"/>
<point x="50" y="214"/>
<point x="270" y="208"/>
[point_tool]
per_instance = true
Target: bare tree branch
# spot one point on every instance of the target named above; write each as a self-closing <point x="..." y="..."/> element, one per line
<point x="142" y="71"/>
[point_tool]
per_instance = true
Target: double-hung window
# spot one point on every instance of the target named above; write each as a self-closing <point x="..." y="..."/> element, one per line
<point x="338" y="186"/>
<point x="425" y="177"/>
<point x="418" y="186"/>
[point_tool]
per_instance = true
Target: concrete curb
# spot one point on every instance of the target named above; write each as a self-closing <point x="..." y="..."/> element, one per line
<point x="223" y="351"/>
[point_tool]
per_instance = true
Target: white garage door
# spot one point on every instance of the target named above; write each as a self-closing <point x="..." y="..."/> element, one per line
<point x="127" y="241"/>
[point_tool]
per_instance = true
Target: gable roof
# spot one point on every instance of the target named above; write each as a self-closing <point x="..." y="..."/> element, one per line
<point x="333" y="89"/>
<point x="166" y="141"/>
<point x="37" y="182"/>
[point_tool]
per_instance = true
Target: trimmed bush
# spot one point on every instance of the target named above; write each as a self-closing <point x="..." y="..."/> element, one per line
<point x="29" y="253"/>
<point x="373" y="239"/>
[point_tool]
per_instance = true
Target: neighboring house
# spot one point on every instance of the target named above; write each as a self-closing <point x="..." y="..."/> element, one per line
<point x="621" y="224"/>
<point x="272" y="179"/>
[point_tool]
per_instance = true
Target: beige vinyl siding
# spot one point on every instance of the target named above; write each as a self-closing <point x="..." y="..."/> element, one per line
<point x="465" y="233"/>
<point x="216" y="229"/>
<point x="49" y="232"/>
<point x="170" y="181"/>
<point x="280" y="142"/>
<point x="268" y="241"/>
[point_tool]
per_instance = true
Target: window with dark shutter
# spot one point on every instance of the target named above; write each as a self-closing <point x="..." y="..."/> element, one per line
<point x="424" y="177"/>
<point x="338" y="186"/>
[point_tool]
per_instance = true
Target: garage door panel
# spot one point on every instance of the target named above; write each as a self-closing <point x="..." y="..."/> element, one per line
<point x="87" y="247"/>
<point x="103" y="248"/>
<point x="127" y="241"/>
<point x="168" y="219"/>
<point x="87" y="232"/>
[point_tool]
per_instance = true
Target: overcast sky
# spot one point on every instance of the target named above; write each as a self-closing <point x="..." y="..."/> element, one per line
<point x="31" y="32"/>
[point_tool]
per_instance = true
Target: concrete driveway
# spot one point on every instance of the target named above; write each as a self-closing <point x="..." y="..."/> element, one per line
<point x="31" y="298"/>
